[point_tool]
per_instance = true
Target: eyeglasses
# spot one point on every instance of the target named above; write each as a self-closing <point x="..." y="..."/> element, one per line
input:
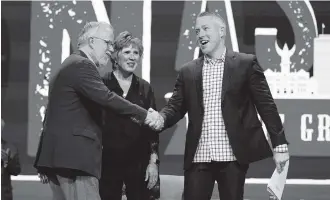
<point x="108" y="42"/>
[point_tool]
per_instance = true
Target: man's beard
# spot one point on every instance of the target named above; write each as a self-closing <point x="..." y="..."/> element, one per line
<point x="103" y="61"/>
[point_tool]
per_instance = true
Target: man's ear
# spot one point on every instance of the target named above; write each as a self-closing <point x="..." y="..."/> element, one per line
<point x="223" y="31"/>
<point x="91" y="42"/>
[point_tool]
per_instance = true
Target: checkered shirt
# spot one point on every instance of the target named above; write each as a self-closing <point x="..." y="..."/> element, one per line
<point x="283" y="148"/>
<point x="214" y="143"/>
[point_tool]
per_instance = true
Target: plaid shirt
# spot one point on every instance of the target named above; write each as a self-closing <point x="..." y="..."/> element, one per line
<point x="214" y="143"/>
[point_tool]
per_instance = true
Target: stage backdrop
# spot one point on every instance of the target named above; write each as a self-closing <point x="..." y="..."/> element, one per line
<point x="289" y="39"/>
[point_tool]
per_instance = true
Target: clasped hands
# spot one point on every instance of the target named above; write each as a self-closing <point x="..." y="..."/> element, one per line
<point x="154" y="120"/>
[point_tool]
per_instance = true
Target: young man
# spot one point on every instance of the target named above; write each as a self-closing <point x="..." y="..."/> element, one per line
<point x="222" y="92"/>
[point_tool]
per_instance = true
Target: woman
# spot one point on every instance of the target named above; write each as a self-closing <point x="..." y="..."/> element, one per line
<point x="130" y="151"/>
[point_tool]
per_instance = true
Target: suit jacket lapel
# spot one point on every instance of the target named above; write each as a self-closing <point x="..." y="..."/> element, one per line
<point x="198" y="76"/>
<point x="228" y="66"/>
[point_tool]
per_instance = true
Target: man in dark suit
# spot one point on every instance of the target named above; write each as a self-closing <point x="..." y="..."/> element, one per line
<point x="222" y="92"/>
<point x="70" y="149"/>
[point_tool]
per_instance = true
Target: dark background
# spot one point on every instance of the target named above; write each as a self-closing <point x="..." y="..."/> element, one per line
<point x="15" y="47"/>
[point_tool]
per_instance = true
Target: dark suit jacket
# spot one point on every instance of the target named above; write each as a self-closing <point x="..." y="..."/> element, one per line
<point x="71" y="137"/>
<point x="244" y="92"/>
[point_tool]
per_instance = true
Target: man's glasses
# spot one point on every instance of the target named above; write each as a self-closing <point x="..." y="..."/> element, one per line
<point x="108" y="42"/>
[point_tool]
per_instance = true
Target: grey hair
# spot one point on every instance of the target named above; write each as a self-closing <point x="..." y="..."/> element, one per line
<point x="89" y="29"/>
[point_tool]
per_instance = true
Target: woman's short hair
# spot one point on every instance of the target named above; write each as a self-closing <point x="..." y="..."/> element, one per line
<point x="125" y="39"/>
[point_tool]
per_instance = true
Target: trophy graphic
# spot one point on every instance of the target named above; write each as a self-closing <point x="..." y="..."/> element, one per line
<point x="285" y="55"/>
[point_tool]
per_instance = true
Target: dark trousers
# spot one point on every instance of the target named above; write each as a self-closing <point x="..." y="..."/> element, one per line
<point x="200" y="178"/>
<point x="115" y="175"/>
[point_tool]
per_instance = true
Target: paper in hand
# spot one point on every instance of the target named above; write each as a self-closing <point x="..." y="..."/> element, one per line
<point x="277" y="182"/>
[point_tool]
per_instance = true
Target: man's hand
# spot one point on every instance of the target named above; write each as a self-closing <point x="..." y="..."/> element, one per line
<point x="152" y="175"/>
<point x="43" y="178"/>
<point x="154" y="120"/>
<point x="280" y="160"/>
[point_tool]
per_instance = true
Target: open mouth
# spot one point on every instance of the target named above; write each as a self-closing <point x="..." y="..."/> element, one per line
<point x="131" y="64"/>
<point x="203" y="42"/>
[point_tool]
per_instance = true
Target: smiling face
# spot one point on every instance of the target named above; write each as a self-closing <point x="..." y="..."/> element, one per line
<point x="209" y="33"/>
<point x="128" y="59"/>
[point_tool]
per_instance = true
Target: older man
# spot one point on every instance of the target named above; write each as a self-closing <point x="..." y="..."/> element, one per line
<point x="70" y="149"/>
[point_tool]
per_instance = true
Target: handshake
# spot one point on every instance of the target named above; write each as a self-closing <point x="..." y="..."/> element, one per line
<point x="154" y="120"/>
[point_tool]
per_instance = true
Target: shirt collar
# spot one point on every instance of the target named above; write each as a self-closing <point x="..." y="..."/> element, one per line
<point x="214" y="60"/>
